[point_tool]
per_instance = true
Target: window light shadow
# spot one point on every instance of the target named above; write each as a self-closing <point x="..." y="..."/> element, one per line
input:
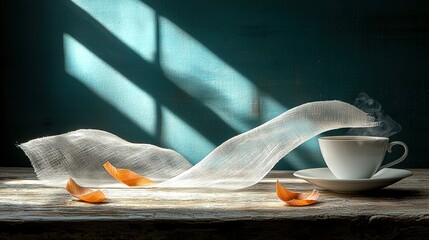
<point x="126" y="20"/>
<point x="98" y="40"/>
<point x="159" y="67"/>
<point x="191" y="66"/>
<point x="130" y="100"/>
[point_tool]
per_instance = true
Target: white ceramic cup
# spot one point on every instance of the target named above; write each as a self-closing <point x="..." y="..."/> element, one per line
<point x="357" y="157"/>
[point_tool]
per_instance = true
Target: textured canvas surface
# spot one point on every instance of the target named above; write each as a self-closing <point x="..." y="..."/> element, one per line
<point x="237" y="163"/>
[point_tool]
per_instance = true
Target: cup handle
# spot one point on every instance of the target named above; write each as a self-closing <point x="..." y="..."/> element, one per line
<point x="389" y="149"/>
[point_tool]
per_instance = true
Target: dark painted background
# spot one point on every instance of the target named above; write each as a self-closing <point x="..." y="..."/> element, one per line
<point x="293" y="51"/>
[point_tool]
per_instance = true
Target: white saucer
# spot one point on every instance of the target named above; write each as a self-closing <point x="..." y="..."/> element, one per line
<point x="323" y="177"/>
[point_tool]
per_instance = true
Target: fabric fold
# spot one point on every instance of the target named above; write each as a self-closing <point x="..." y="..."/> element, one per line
<point x="239" y="162"/>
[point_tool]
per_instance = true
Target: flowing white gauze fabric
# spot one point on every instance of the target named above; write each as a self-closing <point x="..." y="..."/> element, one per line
<point x="239" y="162"/>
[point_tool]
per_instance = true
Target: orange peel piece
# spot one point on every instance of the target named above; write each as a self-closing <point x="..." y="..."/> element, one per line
<point x="83" y="193"/>
<point x="127" y="176"/>
<point x="294" y="198"/>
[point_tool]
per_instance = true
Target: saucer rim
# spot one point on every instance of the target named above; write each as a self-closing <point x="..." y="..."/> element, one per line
<point x="406" y="174"/>
<point x="354" y="186"/>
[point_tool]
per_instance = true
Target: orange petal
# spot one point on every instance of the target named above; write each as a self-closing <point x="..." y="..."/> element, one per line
<point x="83" y="193"/>
<point x="299" y="202"/>
<point x="284" y="194"/>
<point x="296" y="199"/>
<point x="127" y="176"/>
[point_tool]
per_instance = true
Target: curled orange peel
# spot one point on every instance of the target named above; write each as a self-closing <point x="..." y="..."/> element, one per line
<point x="294" y="198"/>
<point x="127" y="176"/>
<point x="83" y="193"/>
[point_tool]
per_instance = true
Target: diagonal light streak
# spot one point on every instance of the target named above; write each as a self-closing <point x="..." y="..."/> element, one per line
<point x="130" y="100"/>
<point x="127" y="20"/>
<point x="202" y="74"/>
<point x="189" y="65"/>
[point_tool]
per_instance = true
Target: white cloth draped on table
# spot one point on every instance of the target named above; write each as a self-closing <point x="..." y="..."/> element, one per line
<point x="237" y="163"/>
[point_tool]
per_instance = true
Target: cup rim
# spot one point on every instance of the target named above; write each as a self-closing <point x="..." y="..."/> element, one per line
<point x="351" y="138"/>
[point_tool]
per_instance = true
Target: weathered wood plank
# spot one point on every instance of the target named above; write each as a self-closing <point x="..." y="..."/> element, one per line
<point x="29" y="210"/>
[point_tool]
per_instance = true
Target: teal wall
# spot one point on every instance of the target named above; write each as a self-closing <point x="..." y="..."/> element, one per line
<point x="188" y="75"/>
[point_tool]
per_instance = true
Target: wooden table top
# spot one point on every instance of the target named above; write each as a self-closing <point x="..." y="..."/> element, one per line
<point x="30" y="209"/>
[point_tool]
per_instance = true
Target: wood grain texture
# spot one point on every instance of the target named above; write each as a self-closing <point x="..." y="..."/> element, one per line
<point x="33" y="211"/>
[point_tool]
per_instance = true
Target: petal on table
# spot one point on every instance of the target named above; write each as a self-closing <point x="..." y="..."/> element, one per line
<point x="84" y="193"/>
<point x="127" y="176"/>
<point x="294" y="198"/>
